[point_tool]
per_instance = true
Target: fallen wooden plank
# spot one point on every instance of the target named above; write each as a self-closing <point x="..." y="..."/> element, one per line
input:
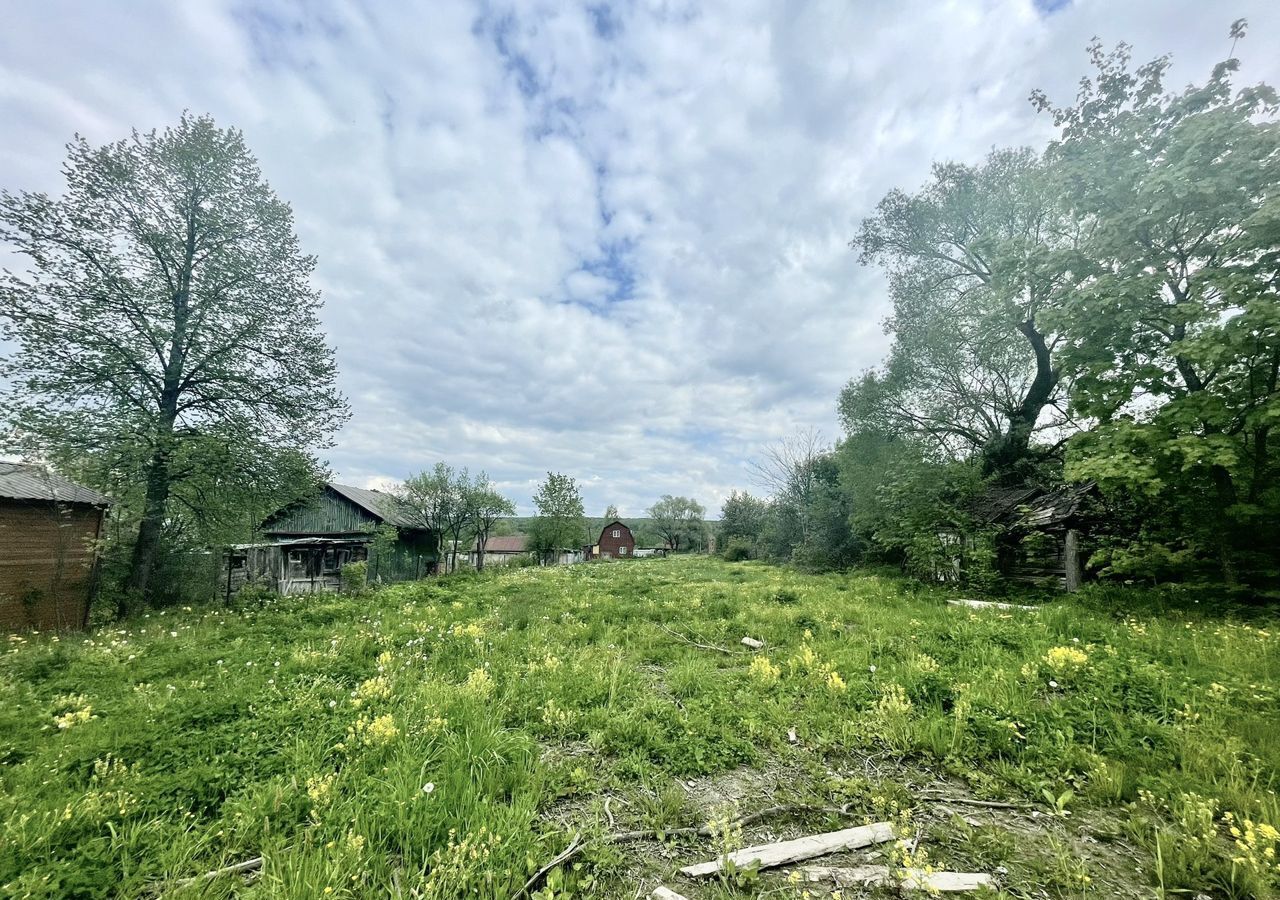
<point x="913" y="880"/>
<point x="247" y="867"/>
<point x="663" y="893"/>
<point x="752" y="643"/>
<point x="989" y="604"/>
<point x="766" y="856"/>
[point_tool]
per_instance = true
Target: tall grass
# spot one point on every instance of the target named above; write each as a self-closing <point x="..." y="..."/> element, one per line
<point x="440" y="739"/>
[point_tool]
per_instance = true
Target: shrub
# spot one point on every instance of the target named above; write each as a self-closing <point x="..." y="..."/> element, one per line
<point x="737" y="550"/>
<point x="785" y="595"/>
<point x="354" y="577"/>
<point x="253" y="595"/>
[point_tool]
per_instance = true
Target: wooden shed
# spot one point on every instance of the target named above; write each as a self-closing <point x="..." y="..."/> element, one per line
<point x="306" y="545"/>
<point x="1041" y="532"/>
<point x="49" y="531"/>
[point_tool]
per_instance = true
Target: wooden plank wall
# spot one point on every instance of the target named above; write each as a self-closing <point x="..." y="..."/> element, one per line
<point x="46" y="564"/>
<point x="324" y="515"/>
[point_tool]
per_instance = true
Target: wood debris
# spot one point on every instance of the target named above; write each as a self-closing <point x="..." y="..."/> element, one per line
<point x="989" y="604"/>
<point x="766" y="856"/>
<point x="665" y="893"/>
<point x="912" y="880"/>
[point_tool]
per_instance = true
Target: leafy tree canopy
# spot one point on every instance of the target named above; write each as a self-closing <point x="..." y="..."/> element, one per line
<point x="166" y="319"/>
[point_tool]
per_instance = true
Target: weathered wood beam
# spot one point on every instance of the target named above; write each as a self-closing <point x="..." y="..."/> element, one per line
<point x="912" y="880"/>
<point x="766" y="856"/>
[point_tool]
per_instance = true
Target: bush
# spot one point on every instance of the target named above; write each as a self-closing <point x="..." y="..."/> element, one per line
<point x="354" y="576"/>
<point x="786" y="596"/>
<point x="253" y="595"/>
<point x="737" y="550"/>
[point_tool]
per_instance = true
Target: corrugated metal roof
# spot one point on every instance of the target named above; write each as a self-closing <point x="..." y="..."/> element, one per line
<point x="385" y="506"/>
<point x="22" y="481"/>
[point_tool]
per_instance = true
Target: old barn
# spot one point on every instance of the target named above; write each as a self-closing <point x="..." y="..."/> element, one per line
<point x="306" y="545"/>
<point x="49" y="530"/>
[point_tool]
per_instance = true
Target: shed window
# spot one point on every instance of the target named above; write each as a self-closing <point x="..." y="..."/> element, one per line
<point x="617" y="533"/>
<point x="622" y="551"/>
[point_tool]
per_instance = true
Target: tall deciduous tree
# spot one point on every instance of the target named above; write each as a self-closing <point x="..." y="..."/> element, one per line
<point x="743" y="516"/>
<point x="677" y="519"/>
<point x="1176" y="330"/>
<point x="561" y="522"/>
<point x="975" y="261"/>
<point x="167" y="302"/>
<point x="485" y="507"/>
<point x="787" y="469"/>
<point x="435" y="499"/>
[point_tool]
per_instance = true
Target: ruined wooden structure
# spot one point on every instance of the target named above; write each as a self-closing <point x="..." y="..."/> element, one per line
<point x="49" y="532"/>
<point x="1042" y="533"/>
<point x="305" y="546"/>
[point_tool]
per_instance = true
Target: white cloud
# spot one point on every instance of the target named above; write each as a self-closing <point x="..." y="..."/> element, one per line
<point x="610" y="242"/>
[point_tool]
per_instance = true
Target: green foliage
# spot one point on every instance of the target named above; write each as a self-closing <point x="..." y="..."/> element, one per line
<point x="1129" y="272"/>
<point x="976" y="260"/>
<point x="561" y="523"/>
<point x="166" y="342"/>
<point x="1174" y="328"/>
<point x="736" y="550"/>
<point x="743" y="516"/>
<point x="486" y="507"/>
<point x="354" y="577"/>
<point x="679" y="521"/>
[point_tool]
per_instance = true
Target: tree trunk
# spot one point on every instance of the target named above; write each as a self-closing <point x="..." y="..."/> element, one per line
<point x="148" y="542"/>
<point x="1225" y="495"/>
<point x="1003" y="454"/>
<point x="480" y="545"/>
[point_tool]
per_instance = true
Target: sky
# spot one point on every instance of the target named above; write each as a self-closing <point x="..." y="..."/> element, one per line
<point x="609" y="240"/>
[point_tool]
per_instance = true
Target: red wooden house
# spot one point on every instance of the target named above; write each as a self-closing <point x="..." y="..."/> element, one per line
<point x="616" y="542"/>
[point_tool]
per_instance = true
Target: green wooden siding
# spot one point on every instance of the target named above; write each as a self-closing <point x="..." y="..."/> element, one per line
<point x="413" y="556"/>
<point x="328" y="513"/>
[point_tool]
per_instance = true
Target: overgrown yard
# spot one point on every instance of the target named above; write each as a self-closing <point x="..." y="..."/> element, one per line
<point x="448" y="738"/>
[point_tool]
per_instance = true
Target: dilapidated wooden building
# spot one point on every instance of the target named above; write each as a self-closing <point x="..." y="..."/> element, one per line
<point x="1042" y="534"/>
<point x="49" y="532"/>
<point x="305" y="546"/>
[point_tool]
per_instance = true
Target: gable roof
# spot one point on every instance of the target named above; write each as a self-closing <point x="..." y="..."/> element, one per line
<point x="384" y="506"/>
<point x="22" y="481"/>
<point x="615" y="522"/>
<point x="506" y="543"/>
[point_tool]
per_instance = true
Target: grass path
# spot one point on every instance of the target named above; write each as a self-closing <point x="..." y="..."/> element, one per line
<point x="445" y="739"/>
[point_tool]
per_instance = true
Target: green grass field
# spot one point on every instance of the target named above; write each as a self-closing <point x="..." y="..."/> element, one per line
<point x="447" y="738"/>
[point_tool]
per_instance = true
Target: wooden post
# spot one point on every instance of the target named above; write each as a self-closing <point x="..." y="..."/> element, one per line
<point x="230" y="559"/>
<point x="1071" y="560"/>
